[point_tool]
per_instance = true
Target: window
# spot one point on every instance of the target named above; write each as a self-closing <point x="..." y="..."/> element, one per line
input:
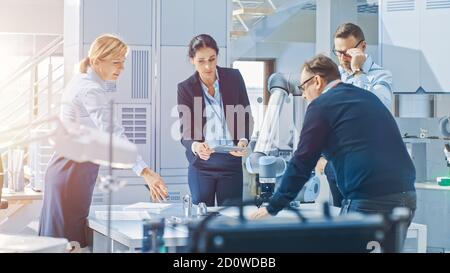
<point x="256" y="74"/>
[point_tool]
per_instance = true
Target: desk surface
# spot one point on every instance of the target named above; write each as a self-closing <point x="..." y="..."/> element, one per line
<point x="31" y="244"/>
<point x="129" y="233"/>
<point x="27" y="194"/>
<point x="431" y="186"/>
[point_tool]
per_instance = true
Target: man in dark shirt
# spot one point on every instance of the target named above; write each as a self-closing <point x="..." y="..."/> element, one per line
<point x="357" y="68"/>
<point x="359" y="136"/>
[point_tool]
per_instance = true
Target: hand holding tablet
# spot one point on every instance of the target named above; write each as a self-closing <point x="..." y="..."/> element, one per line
<point x="226" y="149"/>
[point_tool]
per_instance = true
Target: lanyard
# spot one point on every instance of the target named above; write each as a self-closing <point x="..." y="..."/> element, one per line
<point x="221" y="116"/>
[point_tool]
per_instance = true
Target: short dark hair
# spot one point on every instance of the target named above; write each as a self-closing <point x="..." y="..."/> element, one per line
<point x="323" y="66"/>
<point x="201" y="41"/>
<point x="348" y="29"/>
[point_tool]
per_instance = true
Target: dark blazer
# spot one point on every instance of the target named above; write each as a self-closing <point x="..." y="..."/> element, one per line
<point x="360" y="137"/>
<point x="233" y="92"/>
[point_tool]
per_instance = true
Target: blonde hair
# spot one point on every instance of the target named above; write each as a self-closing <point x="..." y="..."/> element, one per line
<point x="105" y="47"/>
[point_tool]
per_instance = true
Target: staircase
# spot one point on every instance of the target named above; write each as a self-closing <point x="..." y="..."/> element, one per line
<point x="29" y="94"/>
<point x="247" y="13"/>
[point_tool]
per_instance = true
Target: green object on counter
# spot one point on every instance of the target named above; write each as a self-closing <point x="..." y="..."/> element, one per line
<point x="445" y="181"/>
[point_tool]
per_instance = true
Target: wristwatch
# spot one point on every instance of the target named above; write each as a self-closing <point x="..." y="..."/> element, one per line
<point x="356" y="71"/>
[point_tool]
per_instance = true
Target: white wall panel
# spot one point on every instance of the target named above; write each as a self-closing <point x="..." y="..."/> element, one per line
<point x="435" y="38"/>
<point x="72" y="56"/>
<point x="135" y="21"/>
<point x="414" y="40"/>
<point x="175" y="68"/>
<point x="177" y="22"/>
<point x="99" y="17"/>
<point x="210" y="18"/>
<point x="400" y="41"/>
<point x="72" y="23"/>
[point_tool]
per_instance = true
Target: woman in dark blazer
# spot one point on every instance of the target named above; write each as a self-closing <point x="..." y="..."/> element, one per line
<point x="214" y="111"/>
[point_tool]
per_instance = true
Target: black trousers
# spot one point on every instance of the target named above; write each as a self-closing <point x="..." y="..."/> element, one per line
<point x="332" y="182"/>
<point x="218" y="177"/>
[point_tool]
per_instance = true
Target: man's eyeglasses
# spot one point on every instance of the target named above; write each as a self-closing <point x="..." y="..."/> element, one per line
<point x="344" y="52"/>
<point x="301" y="87"/>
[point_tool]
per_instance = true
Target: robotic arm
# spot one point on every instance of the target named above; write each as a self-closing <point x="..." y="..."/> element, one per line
<point x="268" y="168"/>
<point x="280" y="86"/>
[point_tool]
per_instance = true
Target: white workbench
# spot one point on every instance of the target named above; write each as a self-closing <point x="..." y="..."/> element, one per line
<point x="32" y="244"/>
<point x="23" y="207"/>
<point x="431" y="186"/>
<point x="127" y="236"/>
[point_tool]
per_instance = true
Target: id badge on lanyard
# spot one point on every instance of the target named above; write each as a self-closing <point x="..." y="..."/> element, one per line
<point x="220" y="117"/>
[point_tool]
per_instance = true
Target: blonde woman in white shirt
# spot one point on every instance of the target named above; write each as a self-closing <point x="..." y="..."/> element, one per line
<point x="69" y="185"/>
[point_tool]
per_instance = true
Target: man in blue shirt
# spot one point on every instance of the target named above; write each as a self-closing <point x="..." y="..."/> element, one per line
<point x="357" y="67"/>
<point x="359" y="136"/>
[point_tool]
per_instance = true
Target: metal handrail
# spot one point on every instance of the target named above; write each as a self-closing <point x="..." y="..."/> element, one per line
<point x="36" y="102"/>
<point x="25" y="102"/>
<point x="54" y="70"/>
<point x="46" y="86"/>
<point x="19" y="117"/>
<point x="44" y="53"/>
<point x="24" y="92"/>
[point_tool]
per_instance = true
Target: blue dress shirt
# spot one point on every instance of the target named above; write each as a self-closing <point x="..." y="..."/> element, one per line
<point x="374" y="78"/>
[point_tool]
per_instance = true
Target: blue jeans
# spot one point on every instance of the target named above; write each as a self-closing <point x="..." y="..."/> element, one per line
<point x="384" y="205"/>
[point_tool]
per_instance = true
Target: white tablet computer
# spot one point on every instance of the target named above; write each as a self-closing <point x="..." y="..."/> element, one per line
<point x="226" y="149"/>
